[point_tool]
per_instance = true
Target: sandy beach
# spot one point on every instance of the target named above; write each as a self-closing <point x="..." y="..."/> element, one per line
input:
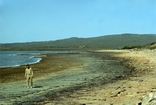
<point x="103" y="77"/>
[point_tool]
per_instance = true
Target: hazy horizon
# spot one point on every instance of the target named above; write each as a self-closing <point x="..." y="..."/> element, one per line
<point x="45" y="20"/>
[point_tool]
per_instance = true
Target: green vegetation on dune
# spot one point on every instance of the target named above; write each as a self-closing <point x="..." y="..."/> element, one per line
<point x="147" y="46"/>
<point x="101" y="42"/>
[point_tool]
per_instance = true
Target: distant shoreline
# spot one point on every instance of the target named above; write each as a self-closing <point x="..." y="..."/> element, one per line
<point x="9" y="74"/>
<point x="3" y="67"/>
<point x="21" y="58"/>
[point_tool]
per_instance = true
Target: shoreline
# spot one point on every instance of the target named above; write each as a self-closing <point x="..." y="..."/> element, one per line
<point x="16" y="74"/>
<point x="90" y="78"/>
<point x="39" y="55"/>
<point x="14" y="66"/>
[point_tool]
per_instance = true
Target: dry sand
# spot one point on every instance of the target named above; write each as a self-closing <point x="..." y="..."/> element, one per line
<point x="103" y="77"/>
<point x="128" y="91"/>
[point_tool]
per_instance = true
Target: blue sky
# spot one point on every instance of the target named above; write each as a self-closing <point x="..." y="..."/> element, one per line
<point x="44" y="20"/>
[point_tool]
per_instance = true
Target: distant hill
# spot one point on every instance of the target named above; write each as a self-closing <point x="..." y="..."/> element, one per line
<point x="101" y="42"/>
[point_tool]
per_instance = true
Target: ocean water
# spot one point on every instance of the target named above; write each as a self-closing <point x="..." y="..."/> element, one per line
<point x="17" y="58"/>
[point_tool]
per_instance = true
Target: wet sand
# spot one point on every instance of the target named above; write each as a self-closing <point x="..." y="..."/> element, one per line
<point x="97" y="78"/>
<point x="50" y="63"/>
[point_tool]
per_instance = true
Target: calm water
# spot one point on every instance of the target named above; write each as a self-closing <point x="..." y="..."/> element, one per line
<point x="17" y="58"/>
